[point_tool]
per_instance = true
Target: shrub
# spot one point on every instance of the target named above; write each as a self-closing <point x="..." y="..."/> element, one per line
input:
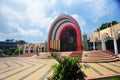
<point x="67" y="69"/>
<point x="17" y="51"/>
<point x="11" y="51"/>
<point x="0" y="52"/>
<point x="56" y="56"/>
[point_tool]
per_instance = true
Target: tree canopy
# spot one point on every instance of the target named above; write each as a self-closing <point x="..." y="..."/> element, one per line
<point x="106" y="25"/>
<point x="21" y="42"/>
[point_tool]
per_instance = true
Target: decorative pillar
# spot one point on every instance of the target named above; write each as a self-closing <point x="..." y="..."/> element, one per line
<point x="35" y="49"/>
<point x="29" y="49"/>
<point x="94" y="45"/>
<point x="115" y="46"/>
<point x="85" y="42"/>
<point x="24" y="49"/>
<point x="103" y="45"/>
<point x="40" y="49"/>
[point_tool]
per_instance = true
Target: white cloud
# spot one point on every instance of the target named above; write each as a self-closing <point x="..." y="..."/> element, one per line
<point x="34" y="14"/>
<point x="20" y="31"/>
<point x="96" y="9"/>
<point x="80" y="20"/>
<point x="11" y="15"/>
<point x="72" y="2"/>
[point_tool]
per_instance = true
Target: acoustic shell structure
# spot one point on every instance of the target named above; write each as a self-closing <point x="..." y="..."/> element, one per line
<point x="64" y="35"/>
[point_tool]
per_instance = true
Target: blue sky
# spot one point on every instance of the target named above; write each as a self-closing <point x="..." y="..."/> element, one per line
<point x="30" y="20"/>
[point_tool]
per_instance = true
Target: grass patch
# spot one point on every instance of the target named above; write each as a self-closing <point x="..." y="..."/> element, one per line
<point x="110" y="78"/>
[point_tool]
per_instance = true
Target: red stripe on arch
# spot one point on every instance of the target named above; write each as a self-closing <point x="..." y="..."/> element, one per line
<point x="79" y="43"/>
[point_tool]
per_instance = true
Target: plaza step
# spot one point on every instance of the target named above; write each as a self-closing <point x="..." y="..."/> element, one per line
<point x="77" y="54"/>
<point x="26" y="55"/>
<point x="99" y="56"/>
<point x="85" y="56"/>
<point x="42" y="55"/>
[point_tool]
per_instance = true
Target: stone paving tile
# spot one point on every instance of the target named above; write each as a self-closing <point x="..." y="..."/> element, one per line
<point x="22" y="68"/>
<point x="3" y="65"/>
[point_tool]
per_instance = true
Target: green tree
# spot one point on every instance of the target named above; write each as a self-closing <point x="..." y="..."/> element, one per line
<point x="14" y="51"/>
<point x="114" y="22"/>
<point x="21" y="42"/>
<point x="11" y="51"/>
<point x="0" y="52"/>
<point x="17" y="51"/>
<point x="106" y="25"/>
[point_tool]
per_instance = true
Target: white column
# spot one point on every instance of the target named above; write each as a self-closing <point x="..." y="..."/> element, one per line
<point x="103" y="45"/>
<point x="94" y="45"/>
<point x="34" y="49"/>
<point x="29" y="49"/>
<point x="40" y="49"/>
<point x="115" y="46"/>
<point x="24" y="49"/>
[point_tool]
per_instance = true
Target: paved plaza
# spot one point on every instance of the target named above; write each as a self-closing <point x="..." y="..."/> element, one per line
<point x="17" y="68"/>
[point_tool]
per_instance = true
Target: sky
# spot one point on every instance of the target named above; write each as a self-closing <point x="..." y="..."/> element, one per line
<point x="30" y="20"/>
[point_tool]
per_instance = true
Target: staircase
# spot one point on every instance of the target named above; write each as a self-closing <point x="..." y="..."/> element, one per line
<point x="42" y="55"/>
<point x="85" y="56"/>
<point x="77" y="54"/>
<point x="99" y="56"/>
<point x="26" y="55"/>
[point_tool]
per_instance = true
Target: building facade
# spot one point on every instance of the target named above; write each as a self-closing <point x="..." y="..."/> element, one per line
<point x="33" y="48"/>
<point x="107" y="39"/>
<point x="6" y="45"/>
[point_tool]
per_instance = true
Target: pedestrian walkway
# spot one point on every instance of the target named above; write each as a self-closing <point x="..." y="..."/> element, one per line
<point x="98" y="70"/>
<point x="26" y="68"/>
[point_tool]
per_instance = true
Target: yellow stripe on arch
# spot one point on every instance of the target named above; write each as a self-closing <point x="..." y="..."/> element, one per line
<point x="56" y="26"/>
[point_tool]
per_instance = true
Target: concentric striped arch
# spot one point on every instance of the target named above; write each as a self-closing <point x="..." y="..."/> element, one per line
<point x="61" y="23"/>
